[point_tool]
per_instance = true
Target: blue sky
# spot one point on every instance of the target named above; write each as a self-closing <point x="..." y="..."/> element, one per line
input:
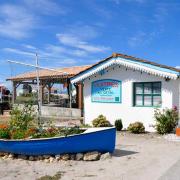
<point x="70" y="33"/>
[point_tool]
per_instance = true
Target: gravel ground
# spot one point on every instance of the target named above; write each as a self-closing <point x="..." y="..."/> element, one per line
<point x="137" y="157"/>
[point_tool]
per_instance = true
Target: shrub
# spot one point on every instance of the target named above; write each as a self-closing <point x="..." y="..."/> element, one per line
<point x="118" y="124"/>
<point x="136" y="127"/>
<point x="101" y="121"/>
<point x="166" y="120"/>
<point x="4" y="132"/>
<point x="22" y="118"/>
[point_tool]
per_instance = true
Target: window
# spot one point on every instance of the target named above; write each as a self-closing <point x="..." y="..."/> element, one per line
<point x="147" y="94"/>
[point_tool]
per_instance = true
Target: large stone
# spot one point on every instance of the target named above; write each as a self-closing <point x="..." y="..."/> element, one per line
<point x="11" y="156"/>
<point x="31" y="158"/>
<point x="46" y="156"/>
<point x="2" y="153"/>
<point x="51" y="159"/>
<point x="46" y="160"/>
<point x="40" y="158"/>
<point x="22" y="157"/>
<point x="72" y="156"/>
<point x="65" y="157"/>
<point x="91" y="156"/>
<point x="105" y="156"/>
<point x="5" y="157"/>
<point x="57" y="157"/>
<point x="79" y="156"/>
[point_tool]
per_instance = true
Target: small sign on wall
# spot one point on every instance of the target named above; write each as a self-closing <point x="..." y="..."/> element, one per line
<point x="106" y="91"/>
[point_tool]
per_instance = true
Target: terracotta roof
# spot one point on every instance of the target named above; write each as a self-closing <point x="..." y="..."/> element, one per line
<point x="131" y="58"/>
<point x="65" y="72"/>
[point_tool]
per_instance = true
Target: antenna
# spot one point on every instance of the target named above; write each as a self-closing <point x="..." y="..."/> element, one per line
<point x="37" y="78"/>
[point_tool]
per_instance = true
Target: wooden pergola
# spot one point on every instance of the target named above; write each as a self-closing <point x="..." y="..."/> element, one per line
<point x="48" y="79"/>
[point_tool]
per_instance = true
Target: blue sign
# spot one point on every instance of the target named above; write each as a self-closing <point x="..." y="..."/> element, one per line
<point x="106" y="91"/>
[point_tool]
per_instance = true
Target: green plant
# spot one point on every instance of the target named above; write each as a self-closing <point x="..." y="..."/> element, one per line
<point x="166" y="120"/>
<point x="56" y="132"/>
<point x="101" y="121"/>
<point x="118" y="124"/>
<point x="85" y="126"/>
<point x="22" y="119"/>
<point x="18" y="134"/>
<point x="4" y="132"/>
<point x="136" y="127"/>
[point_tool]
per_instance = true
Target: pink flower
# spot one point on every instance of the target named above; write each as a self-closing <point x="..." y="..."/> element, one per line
<point x="175" y="108"/>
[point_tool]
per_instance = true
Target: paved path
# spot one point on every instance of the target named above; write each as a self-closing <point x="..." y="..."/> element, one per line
<point x="173" y="173"/>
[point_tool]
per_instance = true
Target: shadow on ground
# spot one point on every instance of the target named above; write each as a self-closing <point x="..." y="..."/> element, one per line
<point x="121" y="153"/>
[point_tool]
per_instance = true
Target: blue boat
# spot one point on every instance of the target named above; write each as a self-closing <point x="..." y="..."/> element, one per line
<point x="93" y="139"/>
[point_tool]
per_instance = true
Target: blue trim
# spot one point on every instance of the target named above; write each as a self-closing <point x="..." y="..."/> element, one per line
<point x="92" y="68"/>
<point x="120" y="82"/>
<point x="150" y="66"/>
<point x="131" y="61"/>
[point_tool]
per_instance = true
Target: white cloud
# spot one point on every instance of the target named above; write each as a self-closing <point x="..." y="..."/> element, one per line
<point x="58" y="50"/>
<point x="76" y="42"/>
<point x="28" y="46"/>
<point x="46" y="7"/>
<point x="15" y="21"/>
<point x="129" y="1"/>
<point x="18" y="21"/>
<point x="18" y="51"/>
<point x="141" y="38"/>
<point x="178" y="67"/>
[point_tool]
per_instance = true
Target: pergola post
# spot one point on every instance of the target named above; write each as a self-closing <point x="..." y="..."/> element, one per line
<point x="79" y="89"/>
<point x="49" y="86"/>
<point x="14" y="94"/>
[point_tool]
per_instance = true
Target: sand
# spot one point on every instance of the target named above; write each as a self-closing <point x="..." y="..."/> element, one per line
<point x="138" y="157"/>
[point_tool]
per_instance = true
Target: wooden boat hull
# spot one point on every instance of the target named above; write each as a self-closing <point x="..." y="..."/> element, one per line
<point x="100" y="139"/>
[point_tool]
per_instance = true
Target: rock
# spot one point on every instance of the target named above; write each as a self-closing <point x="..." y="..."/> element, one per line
<point x="72" y="156"/>
<point x="105" y="156"/>
<point x="31" y="158"/>
<point x="11" y="156"/>
<point x="57" y="157"/>
<point x="22" y="157"/>
<point x="36" y="158"/>
<point x="46" y="160"/>
<point x="5" y="157"/>
<point x="46" y="156"/>
<point x="79" y="156"/>
<point x="2" y="153"/>
<point x="40" y="158"/>
<point x="51" y="159"/>
<point x="91" y="156"/>
<point x="65" y="157"/>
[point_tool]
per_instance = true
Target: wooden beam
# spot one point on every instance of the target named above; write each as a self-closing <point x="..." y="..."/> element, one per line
<point x="14" y="93"/>
<point x="50" y="85"/>
<point x="80" y="96"/>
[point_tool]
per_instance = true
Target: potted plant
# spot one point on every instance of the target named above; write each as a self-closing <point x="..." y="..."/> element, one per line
<point x="178" y="129"/>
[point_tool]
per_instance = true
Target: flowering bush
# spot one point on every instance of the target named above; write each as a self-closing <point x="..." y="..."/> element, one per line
<point x="22" y="118"/>
<point x="22" y="126"/>
<point x="4" y="131"/>
<point x="166" y="120"/>
<point x="18" y="134"/>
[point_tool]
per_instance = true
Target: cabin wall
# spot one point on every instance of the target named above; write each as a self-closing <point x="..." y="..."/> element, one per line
<point x="125" y="110"/>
